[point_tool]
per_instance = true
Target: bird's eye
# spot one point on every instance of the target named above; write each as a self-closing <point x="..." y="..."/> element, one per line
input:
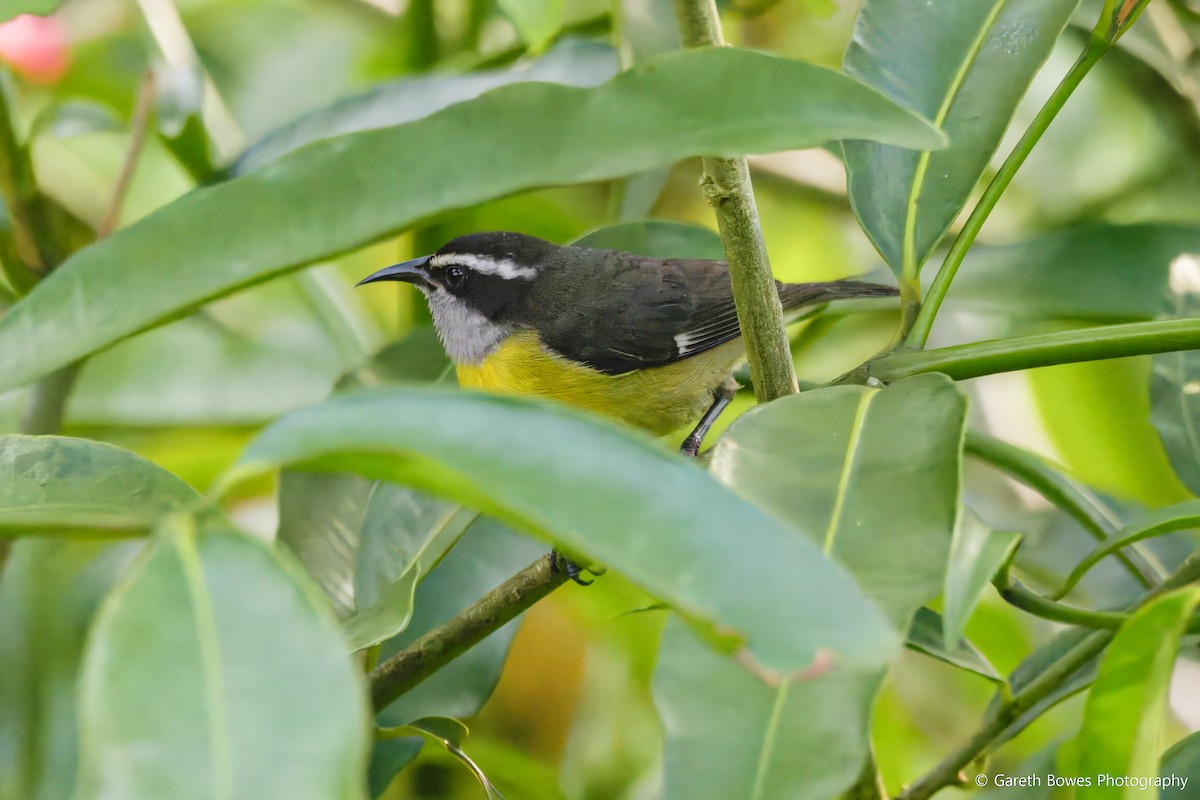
<point x="455" y="277"/>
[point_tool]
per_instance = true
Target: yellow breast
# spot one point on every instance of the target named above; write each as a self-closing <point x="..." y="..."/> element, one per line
<point x="658" y="399"/>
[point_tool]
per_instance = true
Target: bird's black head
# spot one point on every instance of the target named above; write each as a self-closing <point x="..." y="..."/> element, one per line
<point x="488" y="272"/>
<point x="475" y="285"/>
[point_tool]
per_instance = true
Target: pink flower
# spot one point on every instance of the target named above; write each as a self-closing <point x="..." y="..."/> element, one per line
<point x="36" y="47"/>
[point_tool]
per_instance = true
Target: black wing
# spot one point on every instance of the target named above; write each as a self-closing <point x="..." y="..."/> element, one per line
<point x="642" y="312"/>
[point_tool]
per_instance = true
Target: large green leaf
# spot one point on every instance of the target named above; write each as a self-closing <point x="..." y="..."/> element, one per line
<point x="60" y="485"/>
<point x="729" y="735"/>
<point x="241" y="651"/>
<point x="872" y="477"/>
<point x="1126" y="709"/>
<point x="320" y="520"/>
<point x="405" y="534"/>
<point x="1098" y="273"/>
<point x="1181" y="763"/>
<point x="602" y="491"/>
<point x="49" y="594"/>
<point x="573" y="62"/>
<point x="963" y="64"/>
<point x="169" y="377"/>
<point x="1098" y="416"/>
<point x="337" y="194"/>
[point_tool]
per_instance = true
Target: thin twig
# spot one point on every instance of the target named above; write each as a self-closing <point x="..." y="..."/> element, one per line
<point x="726" y="184"/>
<point x="137" y="138"/>
<point x="949" y="771"/>
<point x="48" y="403"/>
<point x="443" y="644"/>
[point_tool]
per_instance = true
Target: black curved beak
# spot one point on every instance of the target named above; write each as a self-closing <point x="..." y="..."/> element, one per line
<point x="415" y="271"/>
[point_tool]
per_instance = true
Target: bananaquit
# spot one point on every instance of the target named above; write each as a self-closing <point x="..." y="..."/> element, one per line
<point x="650" y="341"/>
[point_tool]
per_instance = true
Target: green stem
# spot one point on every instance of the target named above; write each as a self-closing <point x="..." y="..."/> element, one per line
<point x="443" y="644"/>
<point x="1017" y="595"/>
<point x="1097" y="520"/>
<point x="1160" y="523"/>
<point x="1003" y="714"/>
<point x="1042" y="350"/>
<point x="726" y="184"/>
<point x="48" y="401"/>
<point x="923" y="323"/>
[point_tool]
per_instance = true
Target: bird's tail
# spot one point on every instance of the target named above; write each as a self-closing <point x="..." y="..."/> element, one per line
<point x="798" y="295"/>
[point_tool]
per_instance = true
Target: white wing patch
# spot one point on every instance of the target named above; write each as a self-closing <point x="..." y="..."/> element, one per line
<point x="686" y="342"/>
<point x="501" y="267"/>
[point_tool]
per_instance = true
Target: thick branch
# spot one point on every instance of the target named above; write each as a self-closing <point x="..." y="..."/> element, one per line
<point x="472" y="625"/>
<point x="727" y="186"/>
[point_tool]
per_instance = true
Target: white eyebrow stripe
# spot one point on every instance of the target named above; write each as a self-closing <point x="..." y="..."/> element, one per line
<point x="485" y="265"/>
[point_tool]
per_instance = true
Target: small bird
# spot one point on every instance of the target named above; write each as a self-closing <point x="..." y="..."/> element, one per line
<point x="650" y="341"/>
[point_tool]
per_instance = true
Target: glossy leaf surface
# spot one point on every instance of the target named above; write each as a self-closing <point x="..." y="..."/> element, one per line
<point x="58" y="485"/>
<point x="963" y="64"/>
<point x="597" y="497"/>
<point x="647" y="117"/>
<point x="226" y="678"/>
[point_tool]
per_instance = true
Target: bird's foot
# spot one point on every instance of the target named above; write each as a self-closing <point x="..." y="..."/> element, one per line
<point x="560" y="562"/>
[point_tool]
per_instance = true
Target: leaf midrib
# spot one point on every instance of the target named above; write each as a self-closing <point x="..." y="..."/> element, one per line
<point x="908" y="257"/>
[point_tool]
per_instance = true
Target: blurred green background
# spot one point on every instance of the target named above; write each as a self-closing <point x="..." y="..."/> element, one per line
<point x="572" y="708"/>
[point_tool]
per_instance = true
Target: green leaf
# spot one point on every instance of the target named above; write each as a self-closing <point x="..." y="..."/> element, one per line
<point x="963" y="65"/>
<point x="731" y="735"/>
<point x="1181" y="762"/>
<point x="926" y="635"/>
<point x="226" y="675"/>
<point x="875" y="483"/>
<point x="975" y="555"/>
<point x="1097" y="273"/>
<point x="405" y="534"/>
<point x="872" y="477"/>
<point x="48" y="597"/>
<point x="536" y="21"/>
<point x="144" y="382"/>
<point x="657" y="239"/>
<point x="60" y="485"/>
<point x="575" y="62"/>
<point x="321" y="516"/>
<point x="320" y="520"/>
<point x="1126" y="709"/>
<point x="597" y="496"/>
<point x="364" y="186"/>
<point x="1098" y="417"/>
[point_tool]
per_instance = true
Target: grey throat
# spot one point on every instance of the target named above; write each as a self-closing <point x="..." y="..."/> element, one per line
<point x="467" y="335"/>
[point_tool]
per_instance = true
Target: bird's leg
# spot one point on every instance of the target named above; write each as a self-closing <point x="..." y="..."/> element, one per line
<point x="722" y="397"/>
<point x="559" y="561"/>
